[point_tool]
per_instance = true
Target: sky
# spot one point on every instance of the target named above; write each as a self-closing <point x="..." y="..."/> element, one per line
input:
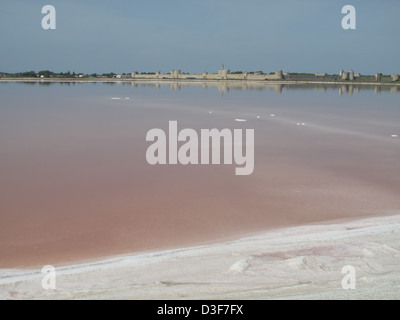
<point x="99" y="36"/>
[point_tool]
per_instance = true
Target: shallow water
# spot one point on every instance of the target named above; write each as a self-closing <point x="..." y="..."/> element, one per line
<point x="75" y="183"/>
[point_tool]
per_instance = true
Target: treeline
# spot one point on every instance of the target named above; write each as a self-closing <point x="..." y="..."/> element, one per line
<point x="50" y="74"/>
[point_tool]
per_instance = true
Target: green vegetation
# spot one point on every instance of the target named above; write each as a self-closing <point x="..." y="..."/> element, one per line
<point x="51" y="74"/>
<point x="109" y="75"/>
<point x="46" y="73"/>
<point x="27" y="74"/>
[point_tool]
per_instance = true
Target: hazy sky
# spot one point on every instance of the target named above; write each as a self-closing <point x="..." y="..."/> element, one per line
<point x="199" y="35"/>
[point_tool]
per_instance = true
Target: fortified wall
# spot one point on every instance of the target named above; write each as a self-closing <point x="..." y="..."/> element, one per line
<point x="225" y="74"/>
<point x="342" y="76"/>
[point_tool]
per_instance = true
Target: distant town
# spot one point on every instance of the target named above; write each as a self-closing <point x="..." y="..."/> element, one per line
<point x="222" y="74"/>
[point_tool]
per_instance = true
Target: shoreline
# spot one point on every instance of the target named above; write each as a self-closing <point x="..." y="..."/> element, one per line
<point x="291" y="262"/>
<point x="166" y="81"/>
<point x="88" y="259"/>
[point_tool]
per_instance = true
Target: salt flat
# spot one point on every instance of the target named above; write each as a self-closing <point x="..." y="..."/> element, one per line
<point x="303" y="262"/>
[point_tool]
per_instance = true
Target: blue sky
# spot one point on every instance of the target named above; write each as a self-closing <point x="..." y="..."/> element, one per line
<point x="199" y="35"/>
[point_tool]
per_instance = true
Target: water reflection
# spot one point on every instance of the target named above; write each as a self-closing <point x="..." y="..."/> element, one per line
<point x="225" y="87"/>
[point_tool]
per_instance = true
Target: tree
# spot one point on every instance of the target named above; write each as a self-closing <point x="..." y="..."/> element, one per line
<point x="46" y="73"/>
<point x="29" y="74"/>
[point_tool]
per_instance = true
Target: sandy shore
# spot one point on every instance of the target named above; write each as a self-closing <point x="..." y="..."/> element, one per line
<point x="302" y="262"/>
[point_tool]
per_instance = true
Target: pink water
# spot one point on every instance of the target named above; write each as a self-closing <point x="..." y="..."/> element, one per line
<point x="75" y="184"/>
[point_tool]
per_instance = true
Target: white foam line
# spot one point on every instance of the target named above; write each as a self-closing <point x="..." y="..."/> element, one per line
<point x="335" y="130"/>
